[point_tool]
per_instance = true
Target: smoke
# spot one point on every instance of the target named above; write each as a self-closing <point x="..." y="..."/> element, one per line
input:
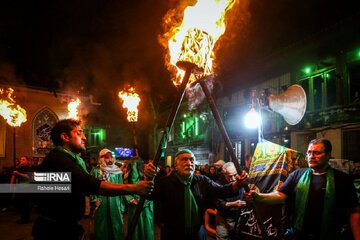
<point x="122" y="50"/>
<point x="98" y="48"/>
<point x="237" y="22"/>
<point x="8" y="73"/>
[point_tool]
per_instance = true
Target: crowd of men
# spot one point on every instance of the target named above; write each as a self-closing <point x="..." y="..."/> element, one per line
<point x="323" y="200"/>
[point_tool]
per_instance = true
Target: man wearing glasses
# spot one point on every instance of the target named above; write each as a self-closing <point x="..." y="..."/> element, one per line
<point x="322" y="200"/>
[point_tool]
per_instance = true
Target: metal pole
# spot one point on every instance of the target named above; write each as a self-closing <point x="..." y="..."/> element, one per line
<point x="229" y="147"/>
<point x="188" y="67"/>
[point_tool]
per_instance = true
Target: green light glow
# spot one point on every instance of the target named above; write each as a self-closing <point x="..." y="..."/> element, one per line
<point x="196" y="126"/>
<point x="183" y="129"/>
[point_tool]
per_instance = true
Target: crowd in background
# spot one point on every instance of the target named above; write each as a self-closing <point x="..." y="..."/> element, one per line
<point x="19" y="174"/>
<point x="130" y="171"/>
<point x="27" y="165"/>
<point x="213" y="171"/>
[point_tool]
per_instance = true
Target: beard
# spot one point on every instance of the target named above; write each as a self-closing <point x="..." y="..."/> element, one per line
<point x="78" y="148"/>
<point x="186" y="172"/>
<point x="317" y="165"/>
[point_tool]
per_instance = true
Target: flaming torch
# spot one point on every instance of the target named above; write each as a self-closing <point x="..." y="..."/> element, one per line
<point x="190" y="45"/>
<point x="73" y="109"/>
<point x="193" y="41"/>
<point x="11" y="112"/>
<point x="131" y="102"/>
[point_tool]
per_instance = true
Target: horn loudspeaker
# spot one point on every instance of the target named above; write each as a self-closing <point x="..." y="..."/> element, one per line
<point x="291" y="104"/>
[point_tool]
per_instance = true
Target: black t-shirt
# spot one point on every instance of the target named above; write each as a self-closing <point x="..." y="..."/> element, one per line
<point x="66" y="207"/>
<point x="345" y="198"/>
<point x="25" y="170"/>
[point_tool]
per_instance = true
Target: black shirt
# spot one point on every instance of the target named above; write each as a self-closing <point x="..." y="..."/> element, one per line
<point x="345" y="198"/>
<point x="25" y="170"/>
<point x="66" y="207"/>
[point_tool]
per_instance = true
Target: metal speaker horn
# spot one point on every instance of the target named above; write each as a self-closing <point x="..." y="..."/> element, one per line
<point x="291" y="104"/>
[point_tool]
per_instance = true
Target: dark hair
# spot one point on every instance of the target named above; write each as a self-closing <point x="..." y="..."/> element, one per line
<point x="325" y="142"/>
<point x="63" y="126"/>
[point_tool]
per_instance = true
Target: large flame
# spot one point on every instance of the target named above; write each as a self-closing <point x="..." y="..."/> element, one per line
<point x="131" y="101"/>
<point x="11" y="112"/>
<point x="73" y="109"/>
<point x="193" y="41"/>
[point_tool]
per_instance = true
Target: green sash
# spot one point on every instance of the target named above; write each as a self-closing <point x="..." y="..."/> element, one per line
<point x="302" y="195"/>
<point x="79" y="160"/>
<point x="191" y="208"/>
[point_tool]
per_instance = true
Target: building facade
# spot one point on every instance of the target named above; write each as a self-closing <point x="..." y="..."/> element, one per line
<point x="43" y="110"/>
<point x="326" y="65"/>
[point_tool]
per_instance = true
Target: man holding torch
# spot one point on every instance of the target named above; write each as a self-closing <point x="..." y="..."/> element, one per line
<point x="59" y="214"/>
<point x="323" y="200"/>
<point x="182" y="196"/>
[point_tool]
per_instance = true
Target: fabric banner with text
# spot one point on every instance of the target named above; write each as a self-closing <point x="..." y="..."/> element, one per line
<point x="271" y="165"/>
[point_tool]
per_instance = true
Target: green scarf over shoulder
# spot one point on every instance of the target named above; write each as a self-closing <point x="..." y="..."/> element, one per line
<point x="302" y="197"/>
<point x="79" y="160"/>
<point x="191" y="208"/>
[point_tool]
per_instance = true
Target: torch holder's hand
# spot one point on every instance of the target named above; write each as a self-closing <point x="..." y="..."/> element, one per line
<point x="150" y="171"/>
<point x="143" y="187"/>
<point x="251" y="196"/>
<point x="236" y="204"/>
<point x="241" y="180"/>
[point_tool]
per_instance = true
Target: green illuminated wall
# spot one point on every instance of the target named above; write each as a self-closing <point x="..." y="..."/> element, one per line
<point x="191" y="127"/>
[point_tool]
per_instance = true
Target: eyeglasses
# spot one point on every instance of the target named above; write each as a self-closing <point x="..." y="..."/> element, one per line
<point x="315" y="153"/>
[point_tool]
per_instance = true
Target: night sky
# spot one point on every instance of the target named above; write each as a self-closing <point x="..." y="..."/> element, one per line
<point x="78" y="43"/>
<point x="98" y="47"/>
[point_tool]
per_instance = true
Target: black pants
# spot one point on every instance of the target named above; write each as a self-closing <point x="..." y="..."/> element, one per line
<point x="48" y="229"/>
<point x="23" y="205"/>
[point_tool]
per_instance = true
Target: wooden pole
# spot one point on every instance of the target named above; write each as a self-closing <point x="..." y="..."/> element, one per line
<point x="188" y="67"/>
<point x="136" y="147"/>
<point x="14" y="148"/>
<point x="230" y="149"/>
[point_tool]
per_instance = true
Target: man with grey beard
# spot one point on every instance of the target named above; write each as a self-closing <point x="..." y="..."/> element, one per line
<point x="182" y="196"/>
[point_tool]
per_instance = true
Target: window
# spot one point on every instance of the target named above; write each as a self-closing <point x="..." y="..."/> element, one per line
<point x="305" y="85"/>
<point x="331" y="88"/>
<point x="237" y="148"/>
<point x="351" y="138"/>
<point x="320" y="90"/>
<point x="354" y="76"/>
<point x="191" y="127"/>
<point x="42" y="125"/>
